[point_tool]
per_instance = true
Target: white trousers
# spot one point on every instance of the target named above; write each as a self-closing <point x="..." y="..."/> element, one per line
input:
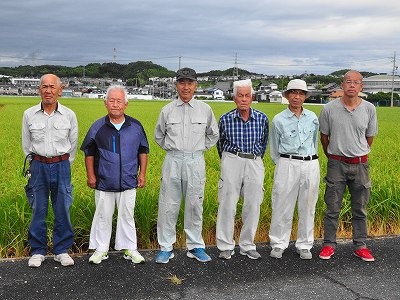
<point x="239" y="177"/>
<point x="100" y="233"/>
<point x="294" y="180"/>
<point x="183" y="174"/>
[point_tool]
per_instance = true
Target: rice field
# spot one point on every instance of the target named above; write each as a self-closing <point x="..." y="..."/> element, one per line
<point x="15" y="213"/>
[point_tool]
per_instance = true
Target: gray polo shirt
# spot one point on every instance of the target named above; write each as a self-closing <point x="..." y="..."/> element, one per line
<point x="348" y="130"/>
<point x="186" y="127"/>
<point x="50" y="135"/>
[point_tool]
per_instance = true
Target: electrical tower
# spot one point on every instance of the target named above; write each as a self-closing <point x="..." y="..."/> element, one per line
<point x="235" y="68"/>
<point x="114" y="55"/>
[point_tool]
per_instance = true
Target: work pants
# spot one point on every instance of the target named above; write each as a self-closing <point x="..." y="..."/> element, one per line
<point x="356" y="177"/>
<point x="52" y="180"/>
<point x="294" y="181"/>
<point x="125" y="235"/>
<point x="239" y="177"/>
<point x="183" y="174"/>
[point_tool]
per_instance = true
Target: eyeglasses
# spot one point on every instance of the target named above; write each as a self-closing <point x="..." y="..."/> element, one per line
<point x="355" y="82"/>
<point x="298" y="92"/>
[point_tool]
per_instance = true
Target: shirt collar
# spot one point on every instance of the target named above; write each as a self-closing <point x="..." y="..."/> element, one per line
<point x="59" y="108"/>
<point x="290" y="114"/>
<point x="237" y="115"/>
<point x="179" y="102"/>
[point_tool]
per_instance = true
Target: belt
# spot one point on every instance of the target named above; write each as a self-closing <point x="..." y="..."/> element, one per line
<point x="50" y="160"/>
<point x="350" y="160"/>
<point x="245" y="155"/>
<point x="310" y="157"/>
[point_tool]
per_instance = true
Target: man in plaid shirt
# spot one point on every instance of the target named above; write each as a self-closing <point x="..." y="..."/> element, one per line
<point x="242" y="144"/>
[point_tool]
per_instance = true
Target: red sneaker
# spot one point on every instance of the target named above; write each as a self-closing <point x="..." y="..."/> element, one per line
<point x="364" y="254"/>
<point x="326" y="252"/>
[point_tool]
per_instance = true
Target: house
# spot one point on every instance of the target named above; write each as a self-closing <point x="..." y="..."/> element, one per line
<point x="276" y="97"/>
<point x="225" y="86"/>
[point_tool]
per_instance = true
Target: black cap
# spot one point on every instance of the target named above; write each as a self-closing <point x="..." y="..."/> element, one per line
<point x="186" y="73"/>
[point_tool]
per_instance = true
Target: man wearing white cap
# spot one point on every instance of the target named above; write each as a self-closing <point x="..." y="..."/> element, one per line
<point x="294" y="149"/>
<point x="242" y="144"/>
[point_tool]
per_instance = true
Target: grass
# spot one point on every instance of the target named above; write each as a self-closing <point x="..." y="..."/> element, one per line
<point x="15" y="213"/>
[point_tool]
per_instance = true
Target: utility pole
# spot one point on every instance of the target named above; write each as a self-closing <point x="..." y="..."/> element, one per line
<point x="179" y="62"/>
<point x="393" y="71"/>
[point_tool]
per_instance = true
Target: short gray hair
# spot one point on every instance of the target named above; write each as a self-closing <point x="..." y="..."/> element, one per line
<point x="117" y="87"/>
<point x="242" y="83"/>
<point x="58" y="79"/>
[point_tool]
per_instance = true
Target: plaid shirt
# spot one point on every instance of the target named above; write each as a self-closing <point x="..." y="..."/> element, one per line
<point x="239" y="136"/>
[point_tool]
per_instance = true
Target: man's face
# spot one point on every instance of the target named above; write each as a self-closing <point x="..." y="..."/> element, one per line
<point x="352" y="84"/>
<point x="296" y="98"/>
<point x="50" y="90"/>
<point x="243" y="98"/>
<point x="116" y="104"/>
<point x="186" y="89"/>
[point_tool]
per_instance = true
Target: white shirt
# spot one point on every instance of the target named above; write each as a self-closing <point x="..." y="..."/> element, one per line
<point x="50" y="135"/>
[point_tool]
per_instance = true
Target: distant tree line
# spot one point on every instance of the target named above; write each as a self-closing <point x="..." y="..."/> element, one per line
<point x="139" y="71"/>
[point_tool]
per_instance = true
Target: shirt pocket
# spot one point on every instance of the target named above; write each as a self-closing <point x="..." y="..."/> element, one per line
<point x="173" y="126"/>
<point x="308" y="132"/>
<point x="61" y="130"/>
<point x="290" y="133"/>
<point x="199" y="124"/>
<point x="37" y="131"/>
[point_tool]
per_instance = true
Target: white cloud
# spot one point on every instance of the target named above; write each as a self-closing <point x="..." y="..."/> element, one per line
<point x="268" y="36"/>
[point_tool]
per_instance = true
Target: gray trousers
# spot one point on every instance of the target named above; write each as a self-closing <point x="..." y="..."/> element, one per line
<point x="239" y="176"/>
<point x="356" y="177"/>
<point x="183" y="174"/>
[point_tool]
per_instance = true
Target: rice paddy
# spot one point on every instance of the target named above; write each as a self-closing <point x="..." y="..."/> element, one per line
<point x="15" y="213"/>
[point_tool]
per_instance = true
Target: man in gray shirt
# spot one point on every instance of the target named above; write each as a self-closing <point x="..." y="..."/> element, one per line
<point x="49" y="139"/>
<point x="185" y="129"/>
<point x="348" y="126"/>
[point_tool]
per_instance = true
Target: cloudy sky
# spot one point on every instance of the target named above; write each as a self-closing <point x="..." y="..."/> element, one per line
<point x="268" y="37"/>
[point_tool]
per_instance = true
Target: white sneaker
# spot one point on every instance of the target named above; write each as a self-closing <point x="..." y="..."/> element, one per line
<point x="97" y="257"/>
<point x="134" y="256"/>
<point x="64" y="259"/>
<point x="36" y="260"/>
<point x="304" y="253"/>
<point x="276" y="253"/>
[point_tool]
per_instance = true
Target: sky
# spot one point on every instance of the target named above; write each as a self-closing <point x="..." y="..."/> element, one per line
<point x="267" y="37"/>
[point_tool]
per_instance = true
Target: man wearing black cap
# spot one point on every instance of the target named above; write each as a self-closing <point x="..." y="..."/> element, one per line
<point x="185" y="129"/>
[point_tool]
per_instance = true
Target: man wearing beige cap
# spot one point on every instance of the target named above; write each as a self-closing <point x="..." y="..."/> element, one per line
<point x="242" y="144"/>
<point x="294" y="151"/>
<point x="186" y="128"/>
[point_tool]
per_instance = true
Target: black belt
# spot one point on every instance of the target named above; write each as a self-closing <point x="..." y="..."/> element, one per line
<point x="245" y="155"/>
<point x="300" y="157"/>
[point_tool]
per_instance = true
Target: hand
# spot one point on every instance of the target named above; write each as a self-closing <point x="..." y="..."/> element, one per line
<point x="91" y="182"/>
<point x="141" y="181"/>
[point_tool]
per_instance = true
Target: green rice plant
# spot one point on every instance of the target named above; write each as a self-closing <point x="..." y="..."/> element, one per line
<point x="15" y="213"/>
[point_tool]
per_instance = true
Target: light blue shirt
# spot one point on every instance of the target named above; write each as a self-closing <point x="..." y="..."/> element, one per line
<point x="292" y="135"/>
<point x="118" y="126"/>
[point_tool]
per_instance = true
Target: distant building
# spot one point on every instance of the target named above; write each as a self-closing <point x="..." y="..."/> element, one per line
<point x="275" y="97"/>
<point x="381" y="83"/>
<point x="25" y="81"/>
